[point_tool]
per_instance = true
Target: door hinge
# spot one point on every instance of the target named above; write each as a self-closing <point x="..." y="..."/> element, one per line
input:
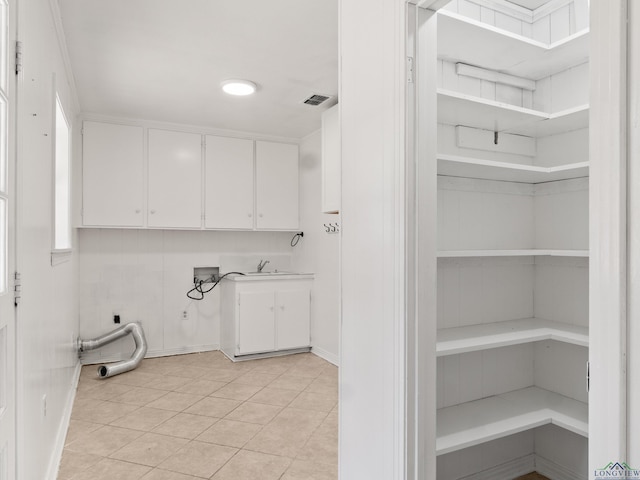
<point x="588" y="376"/>
<point x="409" y="69"/>
<point x="18" y="57"/>
<point x="17" y="288"/>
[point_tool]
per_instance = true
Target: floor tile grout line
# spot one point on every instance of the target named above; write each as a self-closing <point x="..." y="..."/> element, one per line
<point x="298" y="363"/>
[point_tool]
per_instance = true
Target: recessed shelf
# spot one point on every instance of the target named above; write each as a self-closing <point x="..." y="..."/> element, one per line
<point x="451" y="341"/>
<point x="457" y="166"/>
<point x="512" y="253"/>
<point x="468" y="424"/>
<point x="460" y="109"/>
<point x="461" y="39"/>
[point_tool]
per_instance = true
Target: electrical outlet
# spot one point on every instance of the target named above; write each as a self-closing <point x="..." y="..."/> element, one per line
<point x="185" y="315"/>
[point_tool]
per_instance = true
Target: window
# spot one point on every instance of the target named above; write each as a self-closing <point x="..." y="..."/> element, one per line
<point x="62" y="186"/>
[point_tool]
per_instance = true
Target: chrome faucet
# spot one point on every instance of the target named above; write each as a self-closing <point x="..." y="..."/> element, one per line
<point x="262" y="265"/>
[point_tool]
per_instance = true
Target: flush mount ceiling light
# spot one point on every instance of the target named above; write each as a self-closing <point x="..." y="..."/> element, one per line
<point x="238" y="87"/>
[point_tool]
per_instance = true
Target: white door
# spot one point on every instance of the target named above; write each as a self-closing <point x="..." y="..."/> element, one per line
<point x="292" y="314"/>
<point x="276" y="186"/>
<point x="7" y="247"/>
<point x="112" y="175"/>
<point x="175" y="179"/>
<point x="256" y="318"/>
<point x="229" y="183"/>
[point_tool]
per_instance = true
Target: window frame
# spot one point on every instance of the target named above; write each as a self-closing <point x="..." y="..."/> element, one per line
<point x="59" y="255"/>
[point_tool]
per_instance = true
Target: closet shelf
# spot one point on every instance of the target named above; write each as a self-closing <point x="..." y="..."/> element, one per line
<point x="451" y="341"/>
<point x="512" y="253"/>
<point x="460" y="109"/>
<point x="462" y="39"/>
<point x="468" y="424"/>
<point x="457" y="166"/>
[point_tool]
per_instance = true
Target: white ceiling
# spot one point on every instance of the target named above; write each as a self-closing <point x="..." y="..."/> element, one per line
<point x="163" y="60"/>
<point x="530" y="4"/>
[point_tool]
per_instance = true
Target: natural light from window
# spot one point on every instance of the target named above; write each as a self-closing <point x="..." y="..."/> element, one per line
<point x="62" y="240"/>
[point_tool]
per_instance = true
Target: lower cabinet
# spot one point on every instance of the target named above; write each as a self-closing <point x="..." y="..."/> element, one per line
<point x="268" y="313"/>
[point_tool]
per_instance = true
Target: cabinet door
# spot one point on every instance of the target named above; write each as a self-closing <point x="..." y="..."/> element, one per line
<point x="276" y="186"/>
<point x="331" y="161"/>
<point x="229" y="183"/>
<point x="112" y="175"/>
<point x="293" y="319"/>
<point x="175" y="173"/>
<point x="256" y="321"/>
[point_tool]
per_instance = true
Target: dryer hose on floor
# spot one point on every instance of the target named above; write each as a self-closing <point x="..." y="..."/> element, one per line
<point x="135" y="329"/>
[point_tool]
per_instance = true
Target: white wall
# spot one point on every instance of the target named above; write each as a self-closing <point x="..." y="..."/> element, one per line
<point x="372" y="355"/>
<point x="144" y="275"/>
<point x="319" y="252"/>
<point x="48" y="314"/>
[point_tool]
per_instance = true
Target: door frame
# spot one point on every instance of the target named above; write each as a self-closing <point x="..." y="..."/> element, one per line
<point x="10" y="298"/>
<point x="608" y="124"/>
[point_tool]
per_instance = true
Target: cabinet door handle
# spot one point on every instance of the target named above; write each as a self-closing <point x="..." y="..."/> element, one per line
<point x="137" y="210"/>
<point x="152" y="212"/>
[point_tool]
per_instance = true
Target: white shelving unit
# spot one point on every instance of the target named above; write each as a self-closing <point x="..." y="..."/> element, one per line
<point x="458" y="166"/>
<point x="461" y="39"/>
<point x="473" y="338"/>
<point x="460" y="109"/>
<point x="537" y="357"/>
<point x="480" y="421"/>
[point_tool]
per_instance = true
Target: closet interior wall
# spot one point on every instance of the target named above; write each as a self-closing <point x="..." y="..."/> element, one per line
<point x="512" y="247"/>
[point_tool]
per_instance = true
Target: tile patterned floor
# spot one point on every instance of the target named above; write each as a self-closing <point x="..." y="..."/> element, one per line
<point x="190" y="417"/>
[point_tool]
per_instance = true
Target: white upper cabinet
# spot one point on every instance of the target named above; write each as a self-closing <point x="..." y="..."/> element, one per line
<point x="235" y="184"/>
<point x="112" y="175"/>
<point x="331" y="160"/>
<point x="276" y="186"/>
<point x="175" y="173"/>
<point x="229" y="186"/>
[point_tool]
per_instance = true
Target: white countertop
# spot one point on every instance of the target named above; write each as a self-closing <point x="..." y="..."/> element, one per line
<point x="270" y="276"/>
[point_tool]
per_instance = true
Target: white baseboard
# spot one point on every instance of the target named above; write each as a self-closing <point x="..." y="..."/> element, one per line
<point x="524" y="465"/>
<point x="56" y="456"/>
<point x="328" y="356"/>
<point x="554" y="471"/>
<point x="94" y="357"/>
<point x="507" y="471"/>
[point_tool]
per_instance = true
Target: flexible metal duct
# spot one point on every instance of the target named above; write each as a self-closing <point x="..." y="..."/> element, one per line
<point x="135" y="329"/>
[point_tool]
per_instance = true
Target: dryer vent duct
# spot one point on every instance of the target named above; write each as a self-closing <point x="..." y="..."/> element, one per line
<point x="316" y="99"/>
<point x="135" y="329"/>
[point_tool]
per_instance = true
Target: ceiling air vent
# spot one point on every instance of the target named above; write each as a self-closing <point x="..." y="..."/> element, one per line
<point x="316" y="99"/>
